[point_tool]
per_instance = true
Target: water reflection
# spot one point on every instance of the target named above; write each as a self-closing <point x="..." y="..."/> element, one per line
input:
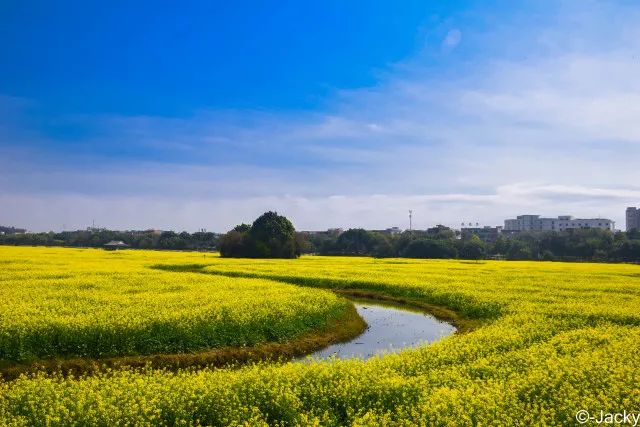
<point x="390" y="328"/>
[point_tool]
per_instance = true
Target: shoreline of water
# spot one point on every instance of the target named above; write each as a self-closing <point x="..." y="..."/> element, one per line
<point x="390" y="328"/>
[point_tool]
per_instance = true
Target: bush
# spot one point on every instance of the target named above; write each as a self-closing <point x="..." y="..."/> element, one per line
<point x="270" y="236"/>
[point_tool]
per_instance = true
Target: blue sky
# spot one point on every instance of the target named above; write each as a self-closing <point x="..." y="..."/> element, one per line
<point x="205" y="114"/>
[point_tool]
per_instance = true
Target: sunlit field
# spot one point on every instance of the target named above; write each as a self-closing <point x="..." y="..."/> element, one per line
<point x="63" y="302"/>
<point x="547" y="340"/>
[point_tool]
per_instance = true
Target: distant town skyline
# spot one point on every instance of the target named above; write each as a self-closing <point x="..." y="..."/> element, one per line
<point x="334" y="114"/>
<point x="524" y="222"/>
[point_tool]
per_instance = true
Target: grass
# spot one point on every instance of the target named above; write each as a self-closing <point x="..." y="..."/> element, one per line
<point x="551" y="339"/>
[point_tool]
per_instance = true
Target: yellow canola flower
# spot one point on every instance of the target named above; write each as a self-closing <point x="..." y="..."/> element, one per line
<point x="554" y="339"/>
<point x="64" y="303"/>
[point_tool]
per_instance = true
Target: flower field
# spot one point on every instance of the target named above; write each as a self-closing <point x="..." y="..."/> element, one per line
<point x="88" y="303"/>
<point x="550" y="339"/>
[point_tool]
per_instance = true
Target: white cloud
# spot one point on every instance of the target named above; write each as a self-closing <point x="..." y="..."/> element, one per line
<point x="555" y="132"/>
<point x="76" y="211"/>
<point x="452" y="39"/>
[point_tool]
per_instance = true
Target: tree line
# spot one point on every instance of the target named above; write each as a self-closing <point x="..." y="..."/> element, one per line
<point x="274" y="236"/>
<point x="135" y="239"/>
<point x="442" y="242"/>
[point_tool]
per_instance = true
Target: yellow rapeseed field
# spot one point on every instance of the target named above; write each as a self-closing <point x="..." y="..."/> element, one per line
<point x="554" y="339"/>
<point x="71" y="302"/>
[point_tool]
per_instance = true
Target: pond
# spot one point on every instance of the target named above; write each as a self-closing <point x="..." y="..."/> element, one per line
<point x="391" y="328"/>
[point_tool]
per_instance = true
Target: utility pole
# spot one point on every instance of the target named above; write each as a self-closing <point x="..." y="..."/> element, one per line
<point x="410" y="218"/>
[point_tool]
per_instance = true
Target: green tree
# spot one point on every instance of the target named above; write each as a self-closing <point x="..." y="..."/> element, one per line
<point x="355" y="241"/>
<point x="273" y="236"/>
<point x="382" y="247"/>
<point x="235" y="244"/>
<point x="303" y="244"/>
<point x="518" y="250"/>
<point x="628" y="251"/>
<point x="473" y="248"/>
<point x="429" y="248"/>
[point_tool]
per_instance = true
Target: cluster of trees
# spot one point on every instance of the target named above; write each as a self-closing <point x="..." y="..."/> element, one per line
<point x="270" y="236"/>
<point x="136" y="239"/>
<point x="572" y="245"/>
<point x="442" y="242"/>
<point x="439" y="242"/>
<point x="273" y="236"/>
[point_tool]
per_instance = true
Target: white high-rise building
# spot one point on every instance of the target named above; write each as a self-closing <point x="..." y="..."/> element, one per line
<point x="561" y="223"/>
<point x="633" y="218"/>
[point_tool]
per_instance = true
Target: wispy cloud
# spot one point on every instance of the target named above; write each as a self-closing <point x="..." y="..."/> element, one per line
<point x="452" y="39"/>
<point x="551" y="132"/>
<point x="170" y="211"/>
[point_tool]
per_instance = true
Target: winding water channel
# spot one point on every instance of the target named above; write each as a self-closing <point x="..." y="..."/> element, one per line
<point x="391" y="328"/>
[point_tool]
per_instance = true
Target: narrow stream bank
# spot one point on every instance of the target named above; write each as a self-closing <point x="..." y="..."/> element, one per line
<point x="391" y="328"/>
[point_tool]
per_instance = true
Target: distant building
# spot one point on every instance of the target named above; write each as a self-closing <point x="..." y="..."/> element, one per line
<point x="11" y="230"/>
<point x="487" y="234"/>
<point x="115" y="245"/>
<point x="393" y="230"/>
<point x="561" y="223"/>
<point x="633" y="218"/>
